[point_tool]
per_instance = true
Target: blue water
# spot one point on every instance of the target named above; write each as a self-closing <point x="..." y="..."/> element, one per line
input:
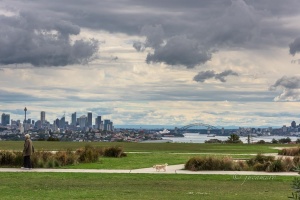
<point x="198" y="138"/>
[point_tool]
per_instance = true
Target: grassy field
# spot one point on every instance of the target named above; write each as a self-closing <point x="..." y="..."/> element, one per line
<point x="152" y="147"/>
<point x="142" y="155"/>
<point x="141" y="186"/>
<point x="144" y="186"/>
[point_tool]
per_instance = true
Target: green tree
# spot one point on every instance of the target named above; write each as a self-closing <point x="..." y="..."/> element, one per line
<point x="234" y="138"/>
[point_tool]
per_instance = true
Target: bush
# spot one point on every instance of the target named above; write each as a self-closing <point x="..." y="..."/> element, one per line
<point x="290" y="151"/>
<point x="260" y="159"/>
<point x="66" y="158"/>
<point x="116" y="152"/>
<point x="276" y="166"/>
<point x="284" y="140"/>
<point x="7" y="157"/>
<point x="213" y="163"/>
<point x="88" y="154"/>
<point x="261" y="142"/>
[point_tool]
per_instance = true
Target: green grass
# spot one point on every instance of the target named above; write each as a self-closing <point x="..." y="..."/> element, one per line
<point x="139" y="160"/>
<point x="140" y="186"/>
<point x="151" y="147"/>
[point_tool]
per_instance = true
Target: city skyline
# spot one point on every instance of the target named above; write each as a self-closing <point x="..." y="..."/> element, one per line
<point x="218" y="62"/>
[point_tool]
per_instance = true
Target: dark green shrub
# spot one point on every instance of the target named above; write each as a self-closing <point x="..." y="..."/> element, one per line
<point x="261" y="142"/>
<point x="116" y="152"/>
<point x="276" y="166"/>
<point x="284" y="140"/>
<point x="260" y="159"/>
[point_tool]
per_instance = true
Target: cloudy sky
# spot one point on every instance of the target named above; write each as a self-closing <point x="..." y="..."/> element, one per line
<point x="158" y="62"/>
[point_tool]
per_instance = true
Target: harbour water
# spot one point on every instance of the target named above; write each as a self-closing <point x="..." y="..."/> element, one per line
<point x="201" y="138"/>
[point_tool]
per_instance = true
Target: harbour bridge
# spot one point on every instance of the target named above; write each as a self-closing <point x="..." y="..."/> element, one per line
<point x="196" y="129"/>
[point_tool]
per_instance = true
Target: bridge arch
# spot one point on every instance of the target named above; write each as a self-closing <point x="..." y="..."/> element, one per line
<point x="197" y="124"/>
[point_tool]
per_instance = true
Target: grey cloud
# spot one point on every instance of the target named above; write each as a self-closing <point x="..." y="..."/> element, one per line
<point x="139" y="46"/>
<point x="295" y="46"/>
<point x="202" y="76"/>
<point x="179" y="50"/>
<point x="214" y="24"/>
<point x="222" y="75"/>
<point x="290" y="86"/>
<point x="42" y="42"/>
<point x="154" y="34"/>
<point x="287" y="83"/>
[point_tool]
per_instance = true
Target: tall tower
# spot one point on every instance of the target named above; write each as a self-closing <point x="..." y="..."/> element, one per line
<point x="73" y="119"/>
<point x="90" y="120"/>
<point x="43" y="117"/>
<point x="25" y="109"/>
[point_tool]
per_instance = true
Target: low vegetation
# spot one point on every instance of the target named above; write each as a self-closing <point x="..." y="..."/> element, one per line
<point x="47" y="159"/>
<point x="295" y="151"/>
<point x="258" y="163"/>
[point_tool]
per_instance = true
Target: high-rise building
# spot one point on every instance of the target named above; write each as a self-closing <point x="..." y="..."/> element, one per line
<point x="5" y="118"/>
<point x="62" y="122"/>
<point x="98" y="122"/>
<point x="90" y="120"/>
<point x="82" y="121"/>
<point x="43" y="117"/>
<point x="107" y="125"/>
<point x="73" y="120"/>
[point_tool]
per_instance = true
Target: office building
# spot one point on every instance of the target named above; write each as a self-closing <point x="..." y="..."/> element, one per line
<point x="82" y="121"/>
<point x="73" y="119"/>
<point x="5" y="118"/>
<point x="43" y="117"/>
<point x="98" y="122"/>
<point x="90" y="120"/>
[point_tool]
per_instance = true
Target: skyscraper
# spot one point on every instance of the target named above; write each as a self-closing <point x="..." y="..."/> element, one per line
<point x="73" y="120"/>
<point x="82" y="121"/>
<point x="98" y="122"/>
<point x="90" y="120"/>
<point x="5" y="118"/>
<point x="43" y="117"/>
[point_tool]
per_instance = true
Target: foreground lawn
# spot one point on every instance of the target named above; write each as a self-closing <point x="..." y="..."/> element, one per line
<point x="141" y="186"/>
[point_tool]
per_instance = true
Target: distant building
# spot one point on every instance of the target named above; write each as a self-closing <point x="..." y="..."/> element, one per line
<point x="98" y="122"/>
<point x="43" y="117"/>
<point x="62" y="122"/>
<point x="90" y="120"/>
<point x="73" y="120"/>
<point x="5" y="118"/>
<point x="108" y="125"/>
<point x="82" y="121"/>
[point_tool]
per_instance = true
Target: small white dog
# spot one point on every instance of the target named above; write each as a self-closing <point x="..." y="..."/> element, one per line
<point x="161" y="167"/>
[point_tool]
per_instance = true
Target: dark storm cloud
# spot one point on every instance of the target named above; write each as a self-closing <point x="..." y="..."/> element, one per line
<point x="154" y="34"/>
<point x="295" y="46"/>
<point x="42" y="42"/>
<point x="210" y="24"/>
<point x="179" y="50"/>
<point x="202" y="76"/>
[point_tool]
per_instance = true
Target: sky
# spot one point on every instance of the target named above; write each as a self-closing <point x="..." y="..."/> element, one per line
<point x="158" y="62"/>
